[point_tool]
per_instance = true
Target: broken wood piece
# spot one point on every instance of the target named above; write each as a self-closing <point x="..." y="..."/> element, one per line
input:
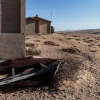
<point x="50" y="69"/>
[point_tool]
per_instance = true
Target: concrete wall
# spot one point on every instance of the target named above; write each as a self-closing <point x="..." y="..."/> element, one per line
<point x="48" y="27"/>
<point x="12" y="26"/>
<point x="22" y="15"/>
<point x="12" y="46"/>
<point x="32" y="26"/>
<point x="10" y="16"/>
<point x="44" y="27"/>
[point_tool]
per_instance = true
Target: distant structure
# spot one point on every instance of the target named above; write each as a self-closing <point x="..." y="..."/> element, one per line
<point x="38" y="25"/>
<point x="12" y="29"/>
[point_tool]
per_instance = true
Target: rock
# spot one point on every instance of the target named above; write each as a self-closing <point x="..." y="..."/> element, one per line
<point x="66" y="83"/>
<point x="62" y="88"/>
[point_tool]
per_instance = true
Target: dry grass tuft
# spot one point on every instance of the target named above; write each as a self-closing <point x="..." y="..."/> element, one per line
<point x="30" y="45"/>
<point x="71" y="50"/>
<point x="37" y="40"/>
<point x="33" y="52"/>
<point x="50" y="43"/>
<point x="68" y="71"/>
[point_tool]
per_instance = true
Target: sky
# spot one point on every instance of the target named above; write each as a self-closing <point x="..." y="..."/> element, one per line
<point x="67" y="14"/>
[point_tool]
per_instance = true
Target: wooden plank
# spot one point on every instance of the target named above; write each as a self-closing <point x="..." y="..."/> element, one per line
<point x="27" y="75"/>
<point x="23" y="62"/>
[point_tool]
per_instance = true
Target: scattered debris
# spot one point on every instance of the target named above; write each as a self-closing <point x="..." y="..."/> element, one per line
<point x="29" y="68"/>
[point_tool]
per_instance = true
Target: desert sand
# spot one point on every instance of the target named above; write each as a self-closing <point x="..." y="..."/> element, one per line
<point x="82" y="83"/>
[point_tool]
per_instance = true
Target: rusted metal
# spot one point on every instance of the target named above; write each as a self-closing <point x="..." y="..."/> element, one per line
<point x="22" y="62"/>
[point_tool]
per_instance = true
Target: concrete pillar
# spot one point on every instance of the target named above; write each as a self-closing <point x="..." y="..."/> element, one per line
<point x="0" y="16"/>
<point x="12" y="29"/>
<point x="22" y="13"/>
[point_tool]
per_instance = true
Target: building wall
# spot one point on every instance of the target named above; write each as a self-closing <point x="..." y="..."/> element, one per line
<point x="48" y="27"/>
<point x="12" y="46"/>
<point x="44" y="27"/>
<point x="12" y="29"/>
<point x="32" y="26"/>
<point x="10" y="16"/>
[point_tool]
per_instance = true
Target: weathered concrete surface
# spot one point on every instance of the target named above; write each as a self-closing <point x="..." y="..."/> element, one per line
<point x="12" y="46"/>
<point x="22" y="15"/>
<point x="12" y="26"/>
<point x="32" y="26"/>
<point x="12" y="16"/>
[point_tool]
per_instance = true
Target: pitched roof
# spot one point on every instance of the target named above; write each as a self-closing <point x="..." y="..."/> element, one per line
<point x="32" y="18"/>
<point x="39" y="18"/>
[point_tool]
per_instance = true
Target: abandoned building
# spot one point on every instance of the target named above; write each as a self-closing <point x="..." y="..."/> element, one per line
<point x="12" y="29"/>
<point x="37" y="25"/>
<point x="32" y="26"/>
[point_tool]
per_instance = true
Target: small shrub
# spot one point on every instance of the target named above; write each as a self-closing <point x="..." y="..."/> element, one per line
<point x="67" y="71"/>
<point x="37" y="40"/>
<point x="29" y="44"/>
<point x="27" y="38"/>
<point x="31" y="52"/>
<point x="75" y="36"/>
<point x="88" y="41"/>
<point x="50" y="43"/>
<point x="71" y="50"/>
<point x="87" y="56"/>
<point x="36" y="52"/>
<point x="99" y="45"/>
<point x="77" y="39"/>
<point x="60" y="39"/>
<point x="68" y="38"/>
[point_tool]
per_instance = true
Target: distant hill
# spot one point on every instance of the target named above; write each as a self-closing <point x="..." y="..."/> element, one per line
<point x="91" y="31"/>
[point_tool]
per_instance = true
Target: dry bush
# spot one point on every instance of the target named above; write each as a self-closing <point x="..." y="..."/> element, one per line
<point x="30" y="45"/>
<point x="67" y="71"/>
<point x="88" y="41"/>
<point x="75" y="36"/>
<point x="77" y="39"/>
<point x="27" y="38"/>
<point x="68" y="38"/>
<point x="99" y="45"/>
<point x="33" y="52"/>
<point x="87" y="56"/>
<point x="74" y="50"/>
<point x="96" y="33"/>
<point x="91" y="44"/>
<point x="60" y="39"/>
<point x="37" y="40"/>
<point x="97" y="38"/>
<point x="71" y="50"/>
<point x="50" y="43"/>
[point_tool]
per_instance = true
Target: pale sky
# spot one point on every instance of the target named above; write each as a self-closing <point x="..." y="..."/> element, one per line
<point x="67" y="14"/>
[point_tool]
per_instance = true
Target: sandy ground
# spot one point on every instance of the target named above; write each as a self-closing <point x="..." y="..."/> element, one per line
<point x="86" y="85"/>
